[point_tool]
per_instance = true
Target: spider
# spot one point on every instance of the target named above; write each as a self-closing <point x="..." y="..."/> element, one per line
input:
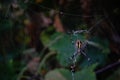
<point x="79" y="49"/>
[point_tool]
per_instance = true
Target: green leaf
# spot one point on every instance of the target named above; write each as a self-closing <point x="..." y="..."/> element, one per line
<point x="46" y="34"/>
<point x="103" y="43"/>
<point x="63" y="46"/>
<point x="98" y="55"/>
<point x="65" y="49"/>
<point x="54" y="75"/>
<point x="64" y="74"/>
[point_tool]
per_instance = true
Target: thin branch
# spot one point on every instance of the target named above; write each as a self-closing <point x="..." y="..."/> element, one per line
<point x="108" y="67"/>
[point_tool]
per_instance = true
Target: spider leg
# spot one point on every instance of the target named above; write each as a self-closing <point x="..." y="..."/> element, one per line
<point x="84" y="45"/>
<point x="73" y="57"/>
<point x="94" y="44"/>
<point x="82" y="49"/>
<point x="85" y="55"/>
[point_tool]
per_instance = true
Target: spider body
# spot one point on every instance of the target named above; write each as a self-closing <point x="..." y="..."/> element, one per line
<point x="79" y="49"/>
<point x="78" y="45"/>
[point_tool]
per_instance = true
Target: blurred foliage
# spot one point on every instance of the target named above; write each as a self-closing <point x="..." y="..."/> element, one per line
<point x="14" y="41"/>
<point x="115" y="75"/>
<point x="5" y="24"/>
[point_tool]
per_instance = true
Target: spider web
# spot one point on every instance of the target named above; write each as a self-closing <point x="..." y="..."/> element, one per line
<point x="70" y="48"/>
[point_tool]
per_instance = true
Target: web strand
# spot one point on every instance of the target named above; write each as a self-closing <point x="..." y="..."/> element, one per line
<point x="65" y="13"/>
<point x="89" y="30"/>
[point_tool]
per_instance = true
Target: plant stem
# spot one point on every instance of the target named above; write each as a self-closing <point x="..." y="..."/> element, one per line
<point x="43" y="61"/>
<point x="40" y="65"/>
<point x="21" y="73"/>
<point x="51" y="43"/>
